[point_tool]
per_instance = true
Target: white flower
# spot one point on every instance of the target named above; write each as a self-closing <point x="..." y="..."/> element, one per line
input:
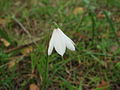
<point x="60" y="42"/>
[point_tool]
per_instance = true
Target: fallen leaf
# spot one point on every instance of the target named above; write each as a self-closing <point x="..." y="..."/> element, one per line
<point x="116" y="19"/>
<point x="118" y="33"/>
<point x="78" y="10"/>
<point x="11" y="64"/>
<point x="34" y="2"/>
<point x="27" y="50"/>
<point x="80" y="36"/>
<point x="114" y="48"/>
<point x="100" y="16"/>
<point x="17" y="3"/>
<point x="104" y="85"/>
<point x="5" y="42"/>
<point x="4" y="22"/>
<point x="33" y="87"/>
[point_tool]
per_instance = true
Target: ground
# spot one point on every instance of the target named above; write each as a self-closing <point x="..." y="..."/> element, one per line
<point x="25" y="30"/>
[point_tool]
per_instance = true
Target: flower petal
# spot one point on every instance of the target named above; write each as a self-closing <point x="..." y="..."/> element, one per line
<point x="50" y="48"/>
<point x="59" y="43"/>
<point x="69" y="43"/>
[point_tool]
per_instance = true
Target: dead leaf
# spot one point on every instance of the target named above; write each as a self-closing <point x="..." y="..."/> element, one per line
<point x="116" y="19"/>
<point x="33" y="87"/>
<point x="104" y="36"/>
<point x="100" y="16"/>
<point x="34" y="2"/>
<point x="78" y="10"/>
<point x="104" y="85"/>
<point x="80" y="36"/>
<point x="4" y="22"/>
<point x="27" y="50"/>
<point x="118" y="33"/>
<point x="17" y="3"/>
<point x="114" y="48"/>
<point x="11" y="64"/>
<point x="5" y="42"/>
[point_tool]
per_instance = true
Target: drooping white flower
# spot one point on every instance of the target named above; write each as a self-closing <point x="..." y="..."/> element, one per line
<point x="60" y="42"/>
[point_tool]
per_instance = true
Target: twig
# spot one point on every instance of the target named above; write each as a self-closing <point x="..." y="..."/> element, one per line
<point x="25" y="30"/>
<point x="20" y="58"/>
<point x="21" y="25"/>
<point x="20" y="47"/>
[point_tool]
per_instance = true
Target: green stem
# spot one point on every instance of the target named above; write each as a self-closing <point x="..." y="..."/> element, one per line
<point x="46" y="72"/>
<point x="93" y="25"/>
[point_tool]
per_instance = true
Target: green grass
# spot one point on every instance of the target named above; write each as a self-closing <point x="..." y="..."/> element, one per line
<point x="97" y="54"/>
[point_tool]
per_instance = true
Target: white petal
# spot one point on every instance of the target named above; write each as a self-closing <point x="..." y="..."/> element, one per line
<point x="50" y="48"/>
<point x="59" y="43"/>
<point x="69" y="43"/>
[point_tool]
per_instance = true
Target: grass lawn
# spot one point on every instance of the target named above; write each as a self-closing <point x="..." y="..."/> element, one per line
<point x="25" y="30"/>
